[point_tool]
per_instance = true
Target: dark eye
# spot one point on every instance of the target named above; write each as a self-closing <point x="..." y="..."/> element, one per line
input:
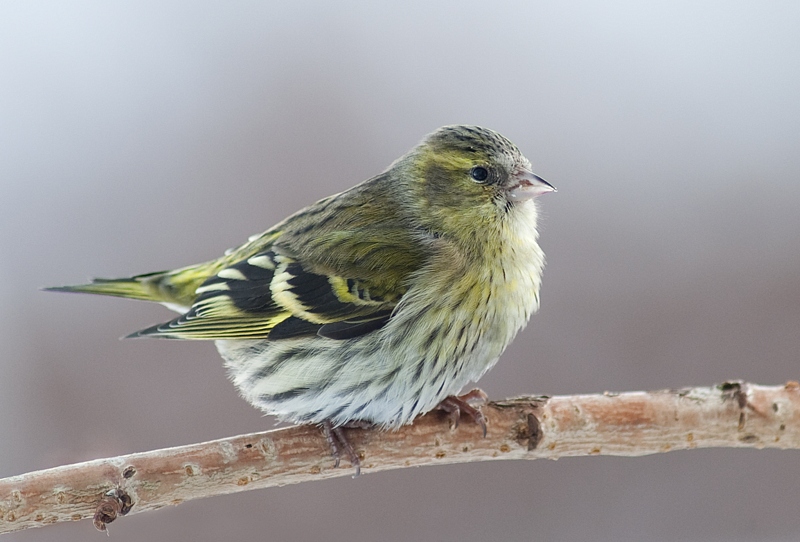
<point x="479" y="173"/>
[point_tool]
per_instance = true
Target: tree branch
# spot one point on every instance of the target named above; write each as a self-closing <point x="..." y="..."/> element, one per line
<point x="730" y="415"/>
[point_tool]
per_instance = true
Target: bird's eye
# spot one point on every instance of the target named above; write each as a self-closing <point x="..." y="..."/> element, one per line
<point x="479" y="174"/>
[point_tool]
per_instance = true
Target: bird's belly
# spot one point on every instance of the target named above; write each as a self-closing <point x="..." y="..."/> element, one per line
<point x="314" y="380"/>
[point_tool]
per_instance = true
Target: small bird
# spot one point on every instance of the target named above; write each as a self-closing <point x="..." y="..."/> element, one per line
<point x="375" y="305"/>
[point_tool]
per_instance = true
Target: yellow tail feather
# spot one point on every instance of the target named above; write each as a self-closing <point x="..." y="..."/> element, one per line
<point x="174" y="288"/>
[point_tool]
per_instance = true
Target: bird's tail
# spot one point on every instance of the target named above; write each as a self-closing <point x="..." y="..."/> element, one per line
<point x="175" y="289"/>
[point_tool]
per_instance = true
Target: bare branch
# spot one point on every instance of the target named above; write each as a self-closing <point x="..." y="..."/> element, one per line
<point x="733" y="414"/>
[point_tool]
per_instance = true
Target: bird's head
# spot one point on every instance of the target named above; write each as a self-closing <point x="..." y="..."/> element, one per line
<point x="465" y="176"/>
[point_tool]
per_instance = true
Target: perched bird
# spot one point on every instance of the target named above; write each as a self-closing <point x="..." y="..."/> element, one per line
<point x="377" y="304"/>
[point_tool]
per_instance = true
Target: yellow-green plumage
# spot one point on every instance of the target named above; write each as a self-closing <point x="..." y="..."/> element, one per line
<point x="377" y="303"/>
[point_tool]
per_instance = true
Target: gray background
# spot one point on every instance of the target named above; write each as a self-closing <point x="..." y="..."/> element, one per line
<point x="140" y="137"/>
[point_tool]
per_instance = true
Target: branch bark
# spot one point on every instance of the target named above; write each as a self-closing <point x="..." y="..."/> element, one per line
<point x="733" y="414"/>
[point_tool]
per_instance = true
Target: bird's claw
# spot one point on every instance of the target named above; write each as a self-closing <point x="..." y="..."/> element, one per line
<point x="338" y="443"/>
<point x="458" y="405"/>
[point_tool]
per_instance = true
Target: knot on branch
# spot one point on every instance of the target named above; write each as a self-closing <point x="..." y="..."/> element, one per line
<point x="115" y="503"/>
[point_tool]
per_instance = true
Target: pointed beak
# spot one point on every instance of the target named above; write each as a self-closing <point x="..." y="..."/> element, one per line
<point x="528" y="186"/>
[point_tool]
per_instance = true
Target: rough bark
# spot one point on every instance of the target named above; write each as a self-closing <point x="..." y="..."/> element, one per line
<point x="733" y="414"/>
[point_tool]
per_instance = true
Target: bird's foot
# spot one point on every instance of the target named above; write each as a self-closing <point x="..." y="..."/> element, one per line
<point x="461" y="405"/>
<point x="338" y="442"/>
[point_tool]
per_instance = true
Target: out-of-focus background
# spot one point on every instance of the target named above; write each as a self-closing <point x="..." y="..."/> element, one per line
<point x="138" y="137"/>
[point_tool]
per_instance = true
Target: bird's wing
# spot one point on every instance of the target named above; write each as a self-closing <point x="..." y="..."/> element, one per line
<point x="274" y="295"/>
<point x="337" y="269"/>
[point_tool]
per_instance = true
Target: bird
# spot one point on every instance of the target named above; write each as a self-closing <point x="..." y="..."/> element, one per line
<point x="373" y="306"/>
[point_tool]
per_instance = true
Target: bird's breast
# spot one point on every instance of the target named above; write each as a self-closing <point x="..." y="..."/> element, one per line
<point x="467" y="304"/>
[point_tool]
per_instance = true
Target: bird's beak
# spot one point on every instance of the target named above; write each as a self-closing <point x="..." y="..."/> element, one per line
<point x="528" y="186"/>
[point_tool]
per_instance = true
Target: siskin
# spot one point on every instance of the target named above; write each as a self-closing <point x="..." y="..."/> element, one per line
<point x="375" y="305"/>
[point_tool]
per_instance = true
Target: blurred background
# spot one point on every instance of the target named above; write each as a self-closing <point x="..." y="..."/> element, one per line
<point x="143" y="136"/>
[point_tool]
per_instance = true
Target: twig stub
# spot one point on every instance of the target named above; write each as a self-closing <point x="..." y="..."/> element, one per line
<point x="114" y="503"/>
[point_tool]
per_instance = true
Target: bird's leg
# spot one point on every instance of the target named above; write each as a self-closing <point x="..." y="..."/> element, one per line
<point x="458" y="405"/>
<point x="338" y="443"/>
